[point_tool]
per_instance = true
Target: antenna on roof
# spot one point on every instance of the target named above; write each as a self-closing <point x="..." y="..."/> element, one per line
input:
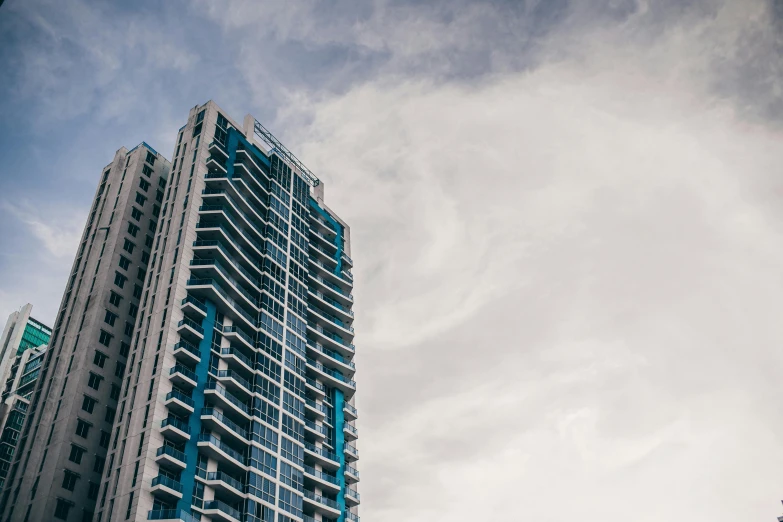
<point x="281" y="150"/>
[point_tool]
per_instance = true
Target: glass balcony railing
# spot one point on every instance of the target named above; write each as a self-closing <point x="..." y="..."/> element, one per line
<point x="347" y="257"/>
<point x="315" y="427"/>
<point x="174" y="394"/>
<point x="321" y="500"/>
<point x="331" y="302"/>
<point x="351" y="449"/>
<point x="195" y="302"/>
<point x="239" y="430"/>
<point x="239" y="332"/>
<point x="236" y="353"/>
<point x="330" y="285"/>
<point x="333" y="336"/>
<point x="331" y="353"/>
<point x="231" y="301"/>
<point x="352" y="471"/>
<point x="321" y="475"/>
<point x="197" y="327"/>
<point x="328" y="255"/>
<point x="224" y="393"/>
<point x="232" y="261"/>
<point x="353" y="517"/>
<point x="229" y="212"/>
<point x="187" y="372"/>
<point x="230" y="374"/>
<point x="331" y="318"/>
<point x="175" y="423"/>
<point x="231" y="452"/>
<point x="224" y="272"/>
<point x="321" y="451"/>
<point x="168" y="482"/>
<point x="222" y="477"/>
<point x="168" y="450"/>
<point x="315" y="405"/>
<point x="223" y="507"/>
<point x="333" y="373"/>
<point x="351" y="429"/>
<point x="315" y="384"/>
<point x="234" y="243"/>
<point x="187" y="346"/>
<point x="351" y="409"/>
<point x="352" y="493"/>
<point x="170" y="514"/>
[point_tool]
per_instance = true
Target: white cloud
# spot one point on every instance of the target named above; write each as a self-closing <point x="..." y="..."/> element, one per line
<point x="59" y="234"/>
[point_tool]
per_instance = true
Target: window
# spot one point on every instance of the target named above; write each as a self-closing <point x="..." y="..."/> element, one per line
<point x="76" y="454"/>
<point x="133" y="310"/>
<point x="95" y="380"/>
<point x="124" y="262"/>
<point x="105" y="338"/>
<point x="92" y="490"/>
<point x="99" y="359"/>
<point x="200" y="116"/>
<point x="119" y="279"/>
<point x="128" y="329"/>
<point x="133" y="229"/>
<point x="110" y="412"/>
<point x="62" y="509"/>
<point x="88" y="404"/>
<point x="104" y="442"/>
<point x="141" y="274"/>
<point x="119" y="370"/>
<point x="144" y="184"/>
<point x="124" y="349"/>
<point x="115" y="392"/>
<point x="137" y="291"/>
<point x="150" y="158"/>
<point x="82" y="428"/>
<point x="110" y="318"/>
<point x="136" y="213"/>
<point x="115" y="298"/>
<point x="145" y="257"/>
<point x="128" y="246"/>
<point x="69" y="480"/>
<point x="141" y="199"/>
<point x="148" y="241"/>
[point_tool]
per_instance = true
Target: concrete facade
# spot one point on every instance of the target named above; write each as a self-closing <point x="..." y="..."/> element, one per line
<point x="59" y="461"/>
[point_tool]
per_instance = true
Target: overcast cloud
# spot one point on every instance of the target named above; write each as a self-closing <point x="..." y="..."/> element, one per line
<point x="567" y="222"/>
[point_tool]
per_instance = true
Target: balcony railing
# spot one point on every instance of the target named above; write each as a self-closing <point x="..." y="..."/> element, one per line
<point x="352" y="493"/>
<point x="321" y="451"/>
<point x="331" y="285"/>
<point x="239" y="430"/>
<point x="222" y="506"/>
<point x="195" y="302"/>
<point x="237" y="354"/>
<point x="214" y="284"/>
<point x="234" y="454"/>
<point x="170" y="514"/>
<point x="315" y="427"/>
<point x="215" y="243"/>
<point x="352" y="471"/>
<point x="321" y="475"/>
<point x="351" y="409"/>
<point x="174" y="394"/>
<point x="168" y="482"/>
<point x="197" y="327"/>
<point x="321" y="500"/>
<point x="230" y="398"/>
<point x="331" y="353"/>
<point x="230" y="374"/>
<point x="315" y="384"/>
<point x="353" y="517"/>
<point x="315" y="405"/>
<point x="187" y="372"/>
<point x="222" y="477"/>
<point x="175" y="423"/>
<point x="168" y="450"/>
<point x="239" y="332"/>
<point x="331" y="302"/>
<point x="331" y="318"/>
<point x="333" y="373"/>
<point x="352" y="450"/>
<point x="189" y="347"/>
<point x="351" y="429"/>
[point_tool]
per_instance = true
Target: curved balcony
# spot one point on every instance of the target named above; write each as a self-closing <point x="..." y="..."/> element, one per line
<point x="319" y="253"/>
<point x="330" y="340"/>
<point x="351" y="475"/>
<point x="330" y="322"/>
<point x="209" y="268"/>
<point x="190" y="330"/>
<point x="346" y="259"/>
<point x="214" y="240"/>
<point x="333" y="378"/>
<point x="235" y="333"/>
<point x="237" y="188"/>
<point x="223" y="483"/>
<point x="217" y="148"/>
<point x="351" y="453"/>
<point x="323" y="228"/>
<point x="179" y="403"/>
<point x="330" y="289"/>
<point x="211" y="288"/>
<point x="186" y="352"/>
<point x="252" y="167"/>
<point x="253" y="231"/>
<point x="183" y="376"/>
<point x="318" y="410"/>
<point x="331" y="359"/>
<point x="238" y="207"/>
<point x="231" y="267"/>
<point x="351" y="413"/>
<point x="352" y="497"/>
<point x="170" y="515"/>
<point x="331" y="305"/>
<point x="321" y="504"/>
<point x="166" y="488"/>
<point x="219" y="423"/>
<point x="215" y="164"/>
<point x="321" y="456"/>
<point x="174" y="429"/>
<point x="217" y="392"/>
<point x="321" y="480"/>
<point x="315" y="429"/>
<point x="169" y="458"/>
<point x="237" y="360"/>
<point x="217" y="510"/>
<point x="350" y="431"/>
<point x="216" y="449"/>
<point x="211" y="220"/>
<point x="192" y="307"/>
<point x="233" y="382"/>
<point x="315" y="386"/>
<point x="326" y="272"/>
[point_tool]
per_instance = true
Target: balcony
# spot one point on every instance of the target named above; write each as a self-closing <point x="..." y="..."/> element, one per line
<point x="352" y="497"/>
<point x="194" y="307"/>
<point x="330" y="340"/>
<point x="187" y="353"/>
<point x="217" y="148"/>
<point x="166" y="488"/>
<point x="321" y="227"/>
<point x="319" y="410"/>
<point x="221" y="452"/>
<point x="351" y="453"/>
<point x="233" y="382"/>
<point x="218" y="510"/>
<point x="236" y="333"/>
<point x="179" y="403"/>
<point x="335" y="307"/>
<point x="322" y="456"/>
<point x="210" y="268"/>
<point x="213" y="249"/>
<point x="315" y="429"/>
<point x="223" y="483"/>
<point x="190" y="330"/>
<point x="170" y="458"/>
<point x="351" y="475"/>
<point x="183" y="376"/>
<point x="351" y="433"/>
<point x="347" y="259"/>
<point x="219" y="423"/>
<point x="331" y="322"/>
<point x="351" y="413"/>
<point x="213" y="218"/>
<point x="332" y="358"/>
<point x="213" y="290"/>
<point x="316" y="387"/>
<point x="170" y="515"/>
<point x="322" y="504"/>
<point x="175" y="429"/>
<point x="333" y="378"/>
<point x="236" y="359"/>
<point x="331" y="289"/>
<point x="321" y="479"/>
<point x="353" y="517"/>
<point x="218" y="391"/>
<point x="326" y="272"/>
<point x="214" y="238"/>
<point x="238" y="207"/>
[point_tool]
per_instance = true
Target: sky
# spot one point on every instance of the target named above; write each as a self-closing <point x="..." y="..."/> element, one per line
<point x="567" y="224"/>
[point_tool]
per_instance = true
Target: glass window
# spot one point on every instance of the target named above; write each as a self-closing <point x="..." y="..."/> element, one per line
<point x="128" y="246"/>
<point x="88" y="404"/>
<point x="110" y="318"/>
<point x="94" y="381"/>
<point x="119" y="279"/>
<point x="77" y="452"/>
<point x="82" y="428"/>
<point x="141" y="199"/>
<point x="124" y="262"/>
<point x="99" y="359"/>
<point x="136" y="213"/>
<point x="62" y="509"/>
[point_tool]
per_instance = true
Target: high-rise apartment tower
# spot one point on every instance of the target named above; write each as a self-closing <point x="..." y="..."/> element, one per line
<point x="59" y="462"/>
<point x="238" y="402"/>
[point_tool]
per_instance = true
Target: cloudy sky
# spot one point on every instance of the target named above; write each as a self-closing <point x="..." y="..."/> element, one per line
<point x="567" y="220"/>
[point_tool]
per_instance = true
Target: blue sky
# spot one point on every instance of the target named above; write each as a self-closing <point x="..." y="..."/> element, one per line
<point x="566" y="221"/>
